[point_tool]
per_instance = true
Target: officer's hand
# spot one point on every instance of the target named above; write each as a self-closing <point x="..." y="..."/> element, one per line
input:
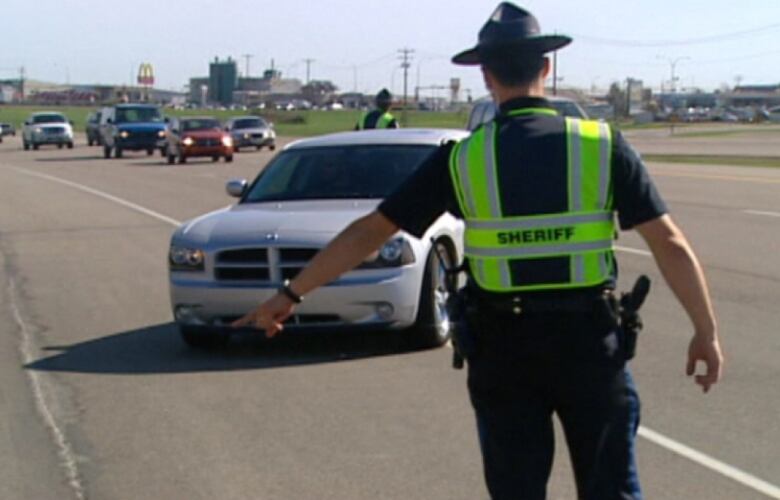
<point x="705" y="348"/>
<point x="269" y="315"/>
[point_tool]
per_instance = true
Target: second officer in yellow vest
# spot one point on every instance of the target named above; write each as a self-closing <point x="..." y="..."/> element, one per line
<point x="381" y="116"/>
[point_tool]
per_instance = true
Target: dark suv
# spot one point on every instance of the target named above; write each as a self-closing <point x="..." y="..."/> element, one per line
<point x="134" y="127"/>
<point x="93" y="128"/>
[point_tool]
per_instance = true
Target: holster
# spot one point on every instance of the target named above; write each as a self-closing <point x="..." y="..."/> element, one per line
<point x="464" y="339"/>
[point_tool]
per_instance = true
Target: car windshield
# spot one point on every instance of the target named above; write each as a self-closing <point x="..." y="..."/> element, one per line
<point x="249" y="123"/>
<point x="200" y="124"/>
<point x="337" y="172"/>
<point x="48" y="119"/>
<point x="137" y="115"/>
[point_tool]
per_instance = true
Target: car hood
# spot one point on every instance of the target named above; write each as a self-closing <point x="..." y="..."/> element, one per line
<point x="203" y="134"/>
<point x="141" y="127"/>
<point x="309" y="223"/>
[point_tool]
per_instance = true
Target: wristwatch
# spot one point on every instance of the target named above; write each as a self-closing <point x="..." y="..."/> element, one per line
<point x="288" y="292"/>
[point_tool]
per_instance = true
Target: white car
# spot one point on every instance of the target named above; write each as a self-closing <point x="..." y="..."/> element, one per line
<point x="222" y="264"/>
<point x="47" y="128"/>
<point x="485" y="110"/>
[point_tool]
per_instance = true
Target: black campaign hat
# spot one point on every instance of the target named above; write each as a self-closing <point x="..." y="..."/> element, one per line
<point x="511" y="27"/>
<point x="384" y="96"/>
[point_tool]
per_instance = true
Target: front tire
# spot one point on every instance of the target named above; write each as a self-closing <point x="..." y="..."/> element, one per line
<point x="106" y="152"/>
<point x="70" y="145"/>
<point x="25" y="145"/>
<point x="202" y="338"/>
<point x="229" y="159"/>
<point x="118" y="153"/>
<point x="432" y="327"/>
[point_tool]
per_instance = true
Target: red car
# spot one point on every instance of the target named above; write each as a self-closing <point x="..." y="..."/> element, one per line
<point x="197" y="136"/>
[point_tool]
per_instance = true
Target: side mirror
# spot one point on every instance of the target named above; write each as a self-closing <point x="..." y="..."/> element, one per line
<point x="109" y="120"/>
<point x="27" y="123"/>
<point x="174" y="131"/>
<point x="167" y="120"/>
<point x="70" y="121"/>
<point x="236" y="187"/>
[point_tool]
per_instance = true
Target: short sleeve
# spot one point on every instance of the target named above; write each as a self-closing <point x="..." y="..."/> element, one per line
<point x="637" y="200"/>
<point x="424" y="196"/>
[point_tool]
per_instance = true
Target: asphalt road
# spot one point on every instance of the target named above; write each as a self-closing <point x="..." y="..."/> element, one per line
<point x="101" y="400"/>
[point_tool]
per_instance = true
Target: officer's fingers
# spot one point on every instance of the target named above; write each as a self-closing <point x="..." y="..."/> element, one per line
<point x="691" y="366"/>
<point x="273" y="328"/>
<point x="243" y="320"/>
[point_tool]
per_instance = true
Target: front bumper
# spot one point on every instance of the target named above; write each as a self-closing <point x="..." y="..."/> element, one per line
<point x="52" y="138"/>
<point x="372" y="299"/>
<point x="206" y="150"/>
<point x="249" y="140"/>
<point x="139" y="142"/>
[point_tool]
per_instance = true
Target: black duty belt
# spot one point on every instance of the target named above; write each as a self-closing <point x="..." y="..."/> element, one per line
<point x="529" y="303"/>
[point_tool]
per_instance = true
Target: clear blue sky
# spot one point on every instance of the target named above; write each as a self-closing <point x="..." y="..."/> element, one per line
<point x="355" y="43"/>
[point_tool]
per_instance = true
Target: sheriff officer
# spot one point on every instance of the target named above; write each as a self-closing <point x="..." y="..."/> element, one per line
<point x="379" y="117"/>
<point x="538" y="194"/>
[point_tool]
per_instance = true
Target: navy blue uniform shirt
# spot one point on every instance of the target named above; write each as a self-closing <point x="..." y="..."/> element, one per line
<point x="429" y="192"/>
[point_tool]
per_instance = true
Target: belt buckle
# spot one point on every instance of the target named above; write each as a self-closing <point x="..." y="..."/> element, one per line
<point x="517" y="307"/>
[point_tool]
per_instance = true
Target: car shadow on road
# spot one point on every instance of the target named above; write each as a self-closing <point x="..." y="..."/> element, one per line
<point x="159" y="349"/>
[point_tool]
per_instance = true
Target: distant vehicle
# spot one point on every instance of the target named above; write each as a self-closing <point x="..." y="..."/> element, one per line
<point x="93" y="129"/>
<point x="7" y="129"/>
<point x="224" y="263"/>
<point x="197" y="136"/>
<point x="251" y="131"/>
<point x="47" y="127"/>
<point x="134" y="127"/>
<point x="484" y="111"/>
<point x="773" y="114"/>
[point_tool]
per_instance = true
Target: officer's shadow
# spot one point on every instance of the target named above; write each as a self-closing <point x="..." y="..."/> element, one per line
<point x="159" y="349"/>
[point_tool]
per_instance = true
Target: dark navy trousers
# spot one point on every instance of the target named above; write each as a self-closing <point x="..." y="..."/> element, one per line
<point x="532" y="366"/>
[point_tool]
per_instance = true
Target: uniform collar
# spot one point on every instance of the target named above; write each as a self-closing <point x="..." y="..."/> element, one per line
<point x="524" y="102"/>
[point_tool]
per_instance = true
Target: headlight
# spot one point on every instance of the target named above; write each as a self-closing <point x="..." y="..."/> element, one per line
<point x="227" y="141"/>
<point x="188" y="141"/>
<point x="247" y="136"/>
<point x="161" y="134"/>
<point x="38" y="130"/>
<point x="185" y="259"/>
<point x="124" y="134"/>
<point x="395" y="253"/>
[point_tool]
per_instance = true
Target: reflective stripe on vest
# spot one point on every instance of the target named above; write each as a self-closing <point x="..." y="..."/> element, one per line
<point x="584" y="233"/>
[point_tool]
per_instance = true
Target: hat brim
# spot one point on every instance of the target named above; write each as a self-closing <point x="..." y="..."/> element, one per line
<point x="538" y="44"/>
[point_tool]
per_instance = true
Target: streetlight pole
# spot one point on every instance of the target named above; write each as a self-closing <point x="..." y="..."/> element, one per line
<point x="672" y="65"/>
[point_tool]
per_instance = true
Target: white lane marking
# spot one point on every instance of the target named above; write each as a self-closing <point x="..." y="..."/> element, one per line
<point x="653" y="436"/>
<point x="65" y="450"/>
<point x="101" y="194"/>
<point x="724" y="469"/>
<point x="762" y="212"/>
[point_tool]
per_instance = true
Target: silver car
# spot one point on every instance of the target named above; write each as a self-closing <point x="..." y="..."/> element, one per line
<point x="252" y="132"/>
<point x="222" y="264"/>
<point x="47" y="128"/>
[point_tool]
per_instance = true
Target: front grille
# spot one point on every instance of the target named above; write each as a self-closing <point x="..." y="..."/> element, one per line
<point x="207" y="142"/>
<point x="53" y="130"/>
<point x="263" y="265"/>
<point x="257" y="136"/>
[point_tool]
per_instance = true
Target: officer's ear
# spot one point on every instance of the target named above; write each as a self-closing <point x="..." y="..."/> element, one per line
<point x="487" y="76"/>
<point x="546" y="67"/>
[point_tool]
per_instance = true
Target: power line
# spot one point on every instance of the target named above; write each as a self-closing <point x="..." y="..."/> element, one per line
<point x="685" y="41"/>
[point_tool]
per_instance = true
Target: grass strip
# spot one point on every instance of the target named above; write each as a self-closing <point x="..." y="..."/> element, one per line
<point x="729" y="160"/>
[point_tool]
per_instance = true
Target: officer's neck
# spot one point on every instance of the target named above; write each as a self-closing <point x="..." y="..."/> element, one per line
<point x="502" y="93"/>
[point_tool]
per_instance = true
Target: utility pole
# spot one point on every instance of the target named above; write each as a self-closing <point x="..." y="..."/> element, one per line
<point x="308" y="69"/>
<point x="673" y="65"/>
<point x="21" y="82"/>
<point x="248" y="57"/>
<point x="406" y="54"/>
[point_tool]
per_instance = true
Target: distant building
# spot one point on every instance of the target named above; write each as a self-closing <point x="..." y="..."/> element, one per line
<point x="223" y="81"/>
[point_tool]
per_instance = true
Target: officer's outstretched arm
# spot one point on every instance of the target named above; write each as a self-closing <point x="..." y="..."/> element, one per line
<point x="684" y="274"/>
<point x="344" y="252"/>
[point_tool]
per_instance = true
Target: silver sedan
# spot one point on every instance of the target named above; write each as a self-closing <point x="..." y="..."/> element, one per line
<point x="225" y="262"/>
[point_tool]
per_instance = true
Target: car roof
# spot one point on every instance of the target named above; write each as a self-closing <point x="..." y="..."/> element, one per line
<point x="184" y="118"/>
<point x="38" y="113"/>
<point x="247" y="117"/>
<point x="404" y="136"/>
